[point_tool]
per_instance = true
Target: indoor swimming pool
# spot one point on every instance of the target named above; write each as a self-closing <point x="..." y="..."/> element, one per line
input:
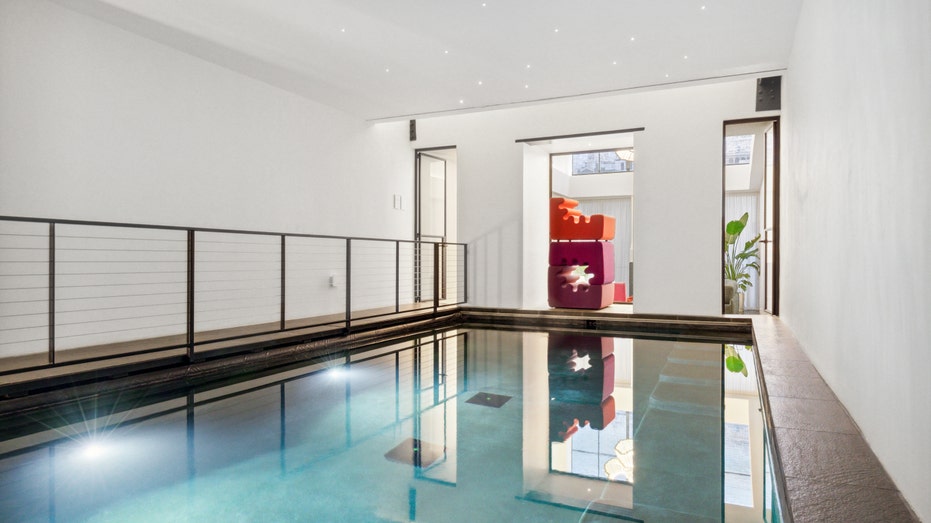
<point x="468" y="425"/>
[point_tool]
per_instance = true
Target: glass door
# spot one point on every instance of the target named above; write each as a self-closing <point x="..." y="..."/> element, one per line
<point x="767" y="232"/>
<point x="751" y="195"/>
<point x="429" y="223"/>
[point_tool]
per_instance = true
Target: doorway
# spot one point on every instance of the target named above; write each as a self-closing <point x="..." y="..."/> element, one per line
<point x="598" y="173"/>
<point x="435" y="180"/>
<point x="751" y="187"/>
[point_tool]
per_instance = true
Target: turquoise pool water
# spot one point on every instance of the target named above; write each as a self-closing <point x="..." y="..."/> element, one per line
<point x="467" y="425"/>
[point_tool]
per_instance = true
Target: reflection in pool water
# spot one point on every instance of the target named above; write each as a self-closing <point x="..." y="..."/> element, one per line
<point x="469" y="425"/>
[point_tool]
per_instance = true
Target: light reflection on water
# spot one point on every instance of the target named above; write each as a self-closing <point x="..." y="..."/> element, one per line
<point x="637" y="432"/>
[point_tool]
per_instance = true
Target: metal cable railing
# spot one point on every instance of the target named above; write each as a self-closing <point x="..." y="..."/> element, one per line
<point x="78" y="291"/>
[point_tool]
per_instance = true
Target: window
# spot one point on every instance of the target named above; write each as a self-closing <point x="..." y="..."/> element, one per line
<point x="602" y="162"/>
<point x="737" y="149"/>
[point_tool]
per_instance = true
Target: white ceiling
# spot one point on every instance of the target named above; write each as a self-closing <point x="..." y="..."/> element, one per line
<point x="381" y="59"/>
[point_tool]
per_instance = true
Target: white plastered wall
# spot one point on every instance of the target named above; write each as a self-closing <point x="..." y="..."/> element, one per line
<point x="677" y="188"/>
<point x="97" y="123"/>
<point x="855" y="220"/>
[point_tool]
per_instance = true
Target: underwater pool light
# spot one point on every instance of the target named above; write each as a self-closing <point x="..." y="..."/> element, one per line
<point x="93" y="449"/>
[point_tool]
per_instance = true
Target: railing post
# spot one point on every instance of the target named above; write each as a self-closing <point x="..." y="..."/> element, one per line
<point x="348" y="284"/>
<point x="190" y="295"/>
<point x="436" y="277"/>
<point x="51" y="293"/>
<point x="282" y="281"/>
<point x="397" y="276"/>
<point x="465" y="273"/>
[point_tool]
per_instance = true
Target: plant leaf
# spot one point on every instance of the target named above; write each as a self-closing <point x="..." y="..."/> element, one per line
<point x="735" y="364"/>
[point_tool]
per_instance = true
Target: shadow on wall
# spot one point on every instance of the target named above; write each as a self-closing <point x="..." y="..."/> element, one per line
<point x="495" y="261"/>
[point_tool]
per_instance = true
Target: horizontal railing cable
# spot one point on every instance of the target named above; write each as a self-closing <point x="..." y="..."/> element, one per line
<point x="89" y="291"/>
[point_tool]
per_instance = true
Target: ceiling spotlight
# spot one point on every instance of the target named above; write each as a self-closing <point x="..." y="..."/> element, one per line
<point x="387" y="70"/>
<point x="614" y="62"/>
<point x="446" y="51"/>
<point x="343" y="30"/>
<point x="702" y="8"/>
<point x="462" y="101"/>
<point x="528" y="66"/>
<point x="556" y="30"/>
<point x="632" y="38"/>
<point x="685" y="57"/>
<point x="667" y="75"/>
<point x="483" y="4"/>
<point x="526" y="86"/>
<point x="479" y="82"/>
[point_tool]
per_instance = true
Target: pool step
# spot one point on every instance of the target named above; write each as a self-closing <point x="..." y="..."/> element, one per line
<point x="690" y="382"/>
<point x="678" y="434"/>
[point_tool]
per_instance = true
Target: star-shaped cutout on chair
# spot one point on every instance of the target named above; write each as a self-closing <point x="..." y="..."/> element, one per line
<point x="576" y="276"/>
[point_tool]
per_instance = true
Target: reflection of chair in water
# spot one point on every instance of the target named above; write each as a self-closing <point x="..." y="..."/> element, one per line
<point x="622" y="462"/>
<point x="581" y="377"/>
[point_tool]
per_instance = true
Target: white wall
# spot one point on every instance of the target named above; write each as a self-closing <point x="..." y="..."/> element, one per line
<point x="601" y="185"/>
<point x="855" y="220"/>
<point x="677" y="215"/>
<point x="98" y="123"/>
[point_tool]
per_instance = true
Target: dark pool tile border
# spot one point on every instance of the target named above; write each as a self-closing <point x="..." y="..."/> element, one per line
<point x="738" y="330"/>
<point x="830" y="473"/>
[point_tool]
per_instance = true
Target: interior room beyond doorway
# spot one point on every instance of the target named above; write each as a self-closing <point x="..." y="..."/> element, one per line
<point x="598" y="172"/>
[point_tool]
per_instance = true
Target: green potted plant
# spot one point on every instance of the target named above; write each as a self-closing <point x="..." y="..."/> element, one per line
<point x="739" y="263"/>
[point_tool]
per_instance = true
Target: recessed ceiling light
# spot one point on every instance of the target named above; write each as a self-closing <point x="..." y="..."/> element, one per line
<point x="462" y="101"/>
<point x="446" y="51"/>
<point x="556" y="30"/>
<point x="387" y="70"/>
<point x="632" y="38"/>
<point x="526" y="86"/>
<point x="479" y="82"/>
<point x="528" y="66"/>
<point x="667" y="75"/>
<point x="685" y="57"/>
<point x="614" y="62"/>
<point x="702" y="8"/>
<point x="483" y="4"/>
<point x="342" y="30"/>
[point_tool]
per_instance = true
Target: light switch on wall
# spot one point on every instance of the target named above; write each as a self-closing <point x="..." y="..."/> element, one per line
<point x="397" y="201"/>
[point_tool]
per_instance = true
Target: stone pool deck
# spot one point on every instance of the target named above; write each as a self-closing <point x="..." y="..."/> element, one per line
<point x="831" y="473"/>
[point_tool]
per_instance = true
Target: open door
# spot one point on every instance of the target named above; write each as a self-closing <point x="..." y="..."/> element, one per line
<point x="433" y="168"/>
<point x="751" y="187"/>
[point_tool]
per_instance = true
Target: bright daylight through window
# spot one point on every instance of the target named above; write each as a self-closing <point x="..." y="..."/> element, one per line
<point x="616" y="161"/>
<point x="737" y="149"/>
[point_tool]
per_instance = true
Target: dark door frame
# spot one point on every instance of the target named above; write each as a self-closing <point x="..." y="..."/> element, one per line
<point x="775" y="235"/>
<point x="418" y="236"/>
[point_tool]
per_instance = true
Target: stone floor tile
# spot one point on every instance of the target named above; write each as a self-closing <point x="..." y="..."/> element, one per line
<point x="809" y="414"/>
<point x="830" y="457"/>
<point x="820" y="502"/>
<point x="789" y="368"/>
<point x="797" y="387"/>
